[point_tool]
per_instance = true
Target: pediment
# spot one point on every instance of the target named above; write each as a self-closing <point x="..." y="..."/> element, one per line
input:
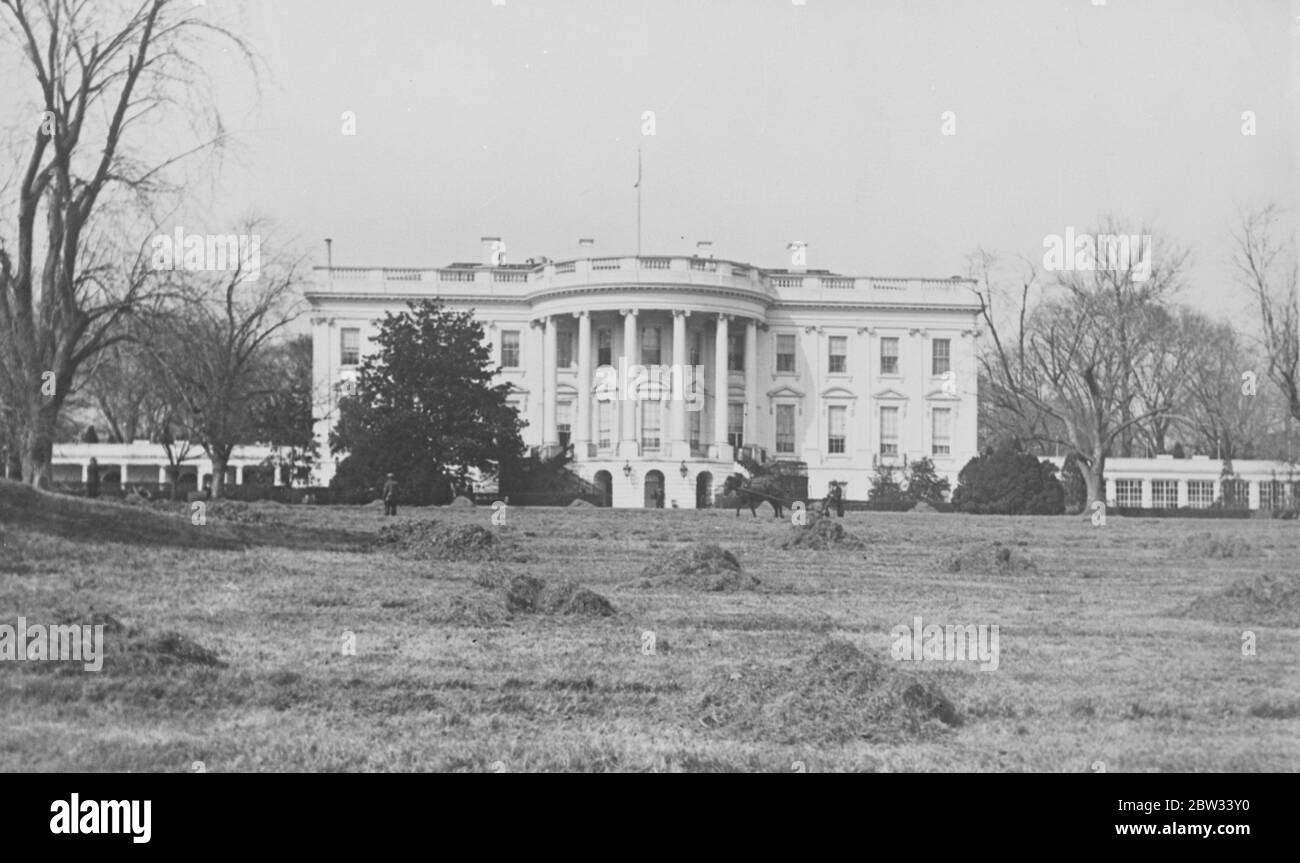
<point x="889" y="394"/>
<point x="941" y="396"/>
<point x="785" y="392"/>
<point x="838" y="393"/>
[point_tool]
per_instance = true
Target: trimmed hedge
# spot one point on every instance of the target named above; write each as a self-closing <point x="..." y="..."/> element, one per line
<point x="1181" y="512"/>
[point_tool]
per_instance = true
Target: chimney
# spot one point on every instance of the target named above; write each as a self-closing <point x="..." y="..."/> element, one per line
<point x="704" y="249"/>
<point x="493" y="251"/>
<point x="586" y="247"/>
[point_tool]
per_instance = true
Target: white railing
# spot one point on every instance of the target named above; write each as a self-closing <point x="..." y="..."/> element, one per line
<point x="455" y="275"/>
<point x="510" y="277"/>
<point x="606" y="264"/>
<point x="655" y="263"/>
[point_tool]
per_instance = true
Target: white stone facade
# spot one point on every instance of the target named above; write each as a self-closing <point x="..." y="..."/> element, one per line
<point x="835" y="371"/>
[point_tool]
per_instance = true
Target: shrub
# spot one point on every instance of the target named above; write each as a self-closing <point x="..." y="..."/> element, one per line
<point x="923" y="484"/>
<point x="1009" y="483"/>
<point x="886" y="493"/>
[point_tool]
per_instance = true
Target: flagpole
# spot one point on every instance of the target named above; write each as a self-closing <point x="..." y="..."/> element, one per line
<point x="638" y="202"/>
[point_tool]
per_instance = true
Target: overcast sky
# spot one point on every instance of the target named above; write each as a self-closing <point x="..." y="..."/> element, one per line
<point x="773" y="122"/>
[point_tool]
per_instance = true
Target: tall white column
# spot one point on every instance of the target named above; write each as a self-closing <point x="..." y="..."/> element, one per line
<point x="720" y="384"/>
<point x="123" y="473"/>
<point x="550" y="437"/>
<point x="751" y="381"/>
<point x="85" y="472"/>
<point x="627" y="445"/>
<point x="680" y="435"/>
<point x="582" y="408"/>
<point x="162" y="474"/>
<point x="239" y="474"/>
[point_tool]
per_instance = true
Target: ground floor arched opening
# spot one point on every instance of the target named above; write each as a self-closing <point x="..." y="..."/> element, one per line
<point x="604" y="487"/>
<point x="654" y="490"/>
<point x="704" y="490"/>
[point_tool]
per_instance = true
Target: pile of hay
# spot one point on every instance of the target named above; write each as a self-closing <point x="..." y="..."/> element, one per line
<point x="429" y="541"/>
<point x="992" y="558"/>
<point x="133" y="650"/>
<point x="579" y="503"/>
<point x="702" y="566"/>
<point x="922" y="506"/>
<point x="1271" y="599"/>
<point x="821" y="533"/>
<point x="527" y="594"/>
<point x="461" y="502"/>
<point x="506" y="593"/>
<point x="1215" y="546"/>
<point x="837" y="696"/>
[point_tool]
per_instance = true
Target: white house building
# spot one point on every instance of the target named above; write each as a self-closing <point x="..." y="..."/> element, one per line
<point x="834" y="371"/>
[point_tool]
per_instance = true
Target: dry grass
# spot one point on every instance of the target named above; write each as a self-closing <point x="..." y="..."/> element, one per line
<point x="1099" y="661"/>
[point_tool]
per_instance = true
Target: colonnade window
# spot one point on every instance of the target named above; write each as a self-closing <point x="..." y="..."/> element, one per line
<point x="604" y="347"/>
<point x="650" y="352"/>
<point x="736" y="423"/>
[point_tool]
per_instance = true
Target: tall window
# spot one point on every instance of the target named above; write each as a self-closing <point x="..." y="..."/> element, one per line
<point x="836" y="417"/>
<point x="1128" y="492"/>
<point x="604" y="424"/>
<point x="889" y="356"/>
<point x="735" y="352"/>
<point x="604" y="347"/>
<point x="510" y="349"/>
<point x="736" y="423"/>
<point x="650" y="346"/>
<point x="564" y="349"/>
<point x="564" y="422"/>
<point x="888" y="431"/>
<point x="785" y="345"/>
<point x="651" y="422"/>
<point x="697" y="347"/>
<point x="1200" y="493"/>
<point x="941" y="431"/>
<point x="839" y="349"/>
<point x="351" y="345"/>
<point x="1272" y="495"/>
<point x="695" y="430"/>
<point x="785" y="428"/>
<point x="1164" y="493"/>
<point x="940" y="357"/>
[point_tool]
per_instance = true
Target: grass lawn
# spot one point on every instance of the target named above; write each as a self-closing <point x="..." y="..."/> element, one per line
<point x="1120" y="644"/>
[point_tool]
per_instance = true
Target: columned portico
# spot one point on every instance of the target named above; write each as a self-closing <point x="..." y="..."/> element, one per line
<point x="720" y="385"/>
<point x="830" y="404"/>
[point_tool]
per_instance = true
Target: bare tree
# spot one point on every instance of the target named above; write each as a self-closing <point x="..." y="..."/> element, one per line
<point x="215" y="356"/>
<point x="66" y="283"/>
<point x="1267" y="266"/>
<point x="1062" y="359"/>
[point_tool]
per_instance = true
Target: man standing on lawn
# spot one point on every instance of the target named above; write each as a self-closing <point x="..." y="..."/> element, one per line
<point x="390" y="495"/>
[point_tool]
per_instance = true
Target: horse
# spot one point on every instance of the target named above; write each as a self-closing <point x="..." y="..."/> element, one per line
<point x="754" y="491"/>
